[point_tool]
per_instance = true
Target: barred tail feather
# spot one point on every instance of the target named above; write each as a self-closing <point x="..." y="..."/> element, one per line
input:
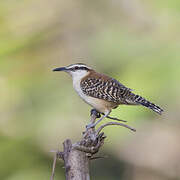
<point x="144" y="102"/>
<point x="152" y="106"/>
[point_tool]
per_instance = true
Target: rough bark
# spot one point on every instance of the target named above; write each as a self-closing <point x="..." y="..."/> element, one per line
<point x="76" y="163"/>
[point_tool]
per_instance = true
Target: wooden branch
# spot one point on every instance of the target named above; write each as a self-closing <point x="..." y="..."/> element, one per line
<point x="77" y="156"/>
<point x="76" y="163"/>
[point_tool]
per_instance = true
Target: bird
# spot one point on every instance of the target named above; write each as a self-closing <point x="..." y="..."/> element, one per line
<point x="102" y="92"/>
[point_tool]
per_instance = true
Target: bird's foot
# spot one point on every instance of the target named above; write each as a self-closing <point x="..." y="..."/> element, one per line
<point x="94" y="111"/>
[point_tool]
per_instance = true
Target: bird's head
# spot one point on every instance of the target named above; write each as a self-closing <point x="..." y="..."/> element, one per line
<point x="78" y="70"/>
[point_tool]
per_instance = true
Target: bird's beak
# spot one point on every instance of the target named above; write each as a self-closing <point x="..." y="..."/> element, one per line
<point x="60" y="69"/>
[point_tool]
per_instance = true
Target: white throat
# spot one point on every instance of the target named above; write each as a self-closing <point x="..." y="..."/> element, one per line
<point x="77" y="77"/>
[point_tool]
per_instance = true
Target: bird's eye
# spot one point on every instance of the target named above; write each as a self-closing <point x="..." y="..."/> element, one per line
<point x="76" y="68"/>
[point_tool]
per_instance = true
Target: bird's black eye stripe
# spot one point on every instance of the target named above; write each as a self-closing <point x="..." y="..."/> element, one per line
<point x="84" y="68"/>
<point x="74" y="68"/>
<point x="79" y="68"/>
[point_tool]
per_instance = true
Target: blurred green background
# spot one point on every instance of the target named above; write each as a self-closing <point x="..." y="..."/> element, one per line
<point x="135" y="41"/>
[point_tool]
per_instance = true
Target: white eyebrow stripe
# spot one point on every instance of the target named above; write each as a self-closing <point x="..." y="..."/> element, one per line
<point x="79" y="65"/>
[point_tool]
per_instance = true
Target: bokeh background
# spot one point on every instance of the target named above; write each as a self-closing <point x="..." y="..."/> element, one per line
<point x="134" y="41"/>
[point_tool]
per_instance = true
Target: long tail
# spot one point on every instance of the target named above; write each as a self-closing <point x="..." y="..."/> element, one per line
<point x="140" y="100"/>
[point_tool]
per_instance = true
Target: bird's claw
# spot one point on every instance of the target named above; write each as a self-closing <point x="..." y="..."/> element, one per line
<point x="95" y="112"/>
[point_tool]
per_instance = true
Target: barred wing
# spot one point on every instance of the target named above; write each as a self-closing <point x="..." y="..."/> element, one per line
<point x="107" y="89"/>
